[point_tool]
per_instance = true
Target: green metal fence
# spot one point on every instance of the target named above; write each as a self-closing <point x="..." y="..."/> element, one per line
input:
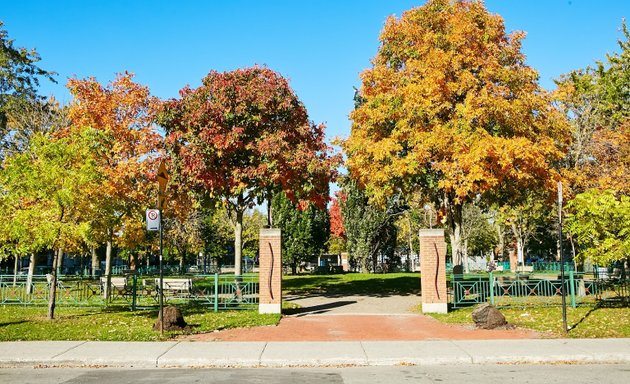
<point x="216" y="291"/>
<point x="515" y="289"/>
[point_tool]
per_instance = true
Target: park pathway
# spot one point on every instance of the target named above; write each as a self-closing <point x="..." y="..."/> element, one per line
<point x="359" y="318"/>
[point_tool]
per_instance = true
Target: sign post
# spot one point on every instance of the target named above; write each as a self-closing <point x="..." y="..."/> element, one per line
<point x="162" y="176"/>
<point x="153" y="220"/>
<point x="562" y="278"/>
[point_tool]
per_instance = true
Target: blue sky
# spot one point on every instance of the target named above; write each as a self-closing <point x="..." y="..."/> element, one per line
<point x="321" y="46"/>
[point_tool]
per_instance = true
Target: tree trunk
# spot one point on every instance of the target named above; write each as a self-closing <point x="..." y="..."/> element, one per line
<point x="455" y="220"/>
<point x="60" y="265"/>
<point x="181" y="261"/>
<point x="410" y="240"/>
<point x="132" y="261"/>
<point x="520" y="245"/>
<point x="31" y="272"/>
<point x="96" y="263"/>
<point x="465" y="252"/>
<point x="53" y="285"/>
<point x="501" y="245"/>
<point x="520" y="252"/>
<point x="238" y="242"/>
<point x="15" y="269"/>
<point x="108" y="265"/>
<point x="365" y="264"/>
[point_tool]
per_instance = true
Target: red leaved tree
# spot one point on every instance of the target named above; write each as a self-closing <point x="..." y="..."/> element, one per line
<point x="241" y="136"/>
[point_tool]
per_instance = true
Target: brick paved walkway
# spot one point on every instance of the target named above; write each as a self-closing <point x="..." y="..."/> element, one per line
<point x="353" y="318"/>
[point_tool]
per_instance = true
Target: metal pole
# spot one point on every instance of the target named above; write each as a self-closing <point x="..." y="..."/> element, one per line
<point x="491" y="281"/>
<point x="562" y="279"/>
<point x="161" y="280"/>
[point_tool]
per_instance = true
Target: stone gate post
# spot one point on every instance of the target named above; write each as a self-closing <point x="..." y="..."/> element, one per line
<point x="270" y="267"/>
<point x="433" y="267"/>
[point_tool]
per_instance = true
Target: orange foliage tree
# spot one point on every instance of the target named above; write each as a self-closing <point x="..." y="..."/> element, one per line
<point x="450" y="108"/>
<point x="124" y="112"/>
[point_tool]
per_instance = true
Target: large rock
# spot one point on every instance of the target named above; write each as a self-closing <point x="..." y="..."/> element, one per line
<point x="173" y="319"/>
<point x="488" y="317"/>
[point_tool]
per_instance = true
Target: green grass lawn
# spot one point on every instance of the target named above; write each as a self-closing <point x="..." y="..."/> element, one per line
<point x="19" y="323"/>
<point x="585" y="322"/>
<point x="120" y="324"/>
<point x="353" y="284"/>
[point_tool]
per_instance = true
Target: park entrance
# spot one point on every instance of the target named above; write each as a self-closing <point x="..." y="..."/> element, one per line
<point x="433" y="281"/>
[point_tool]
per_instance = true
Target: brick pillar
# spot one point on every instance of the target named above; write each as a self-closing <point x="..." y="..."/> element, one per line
<point x="433" y="267"/>
<point x="270" y="266"/>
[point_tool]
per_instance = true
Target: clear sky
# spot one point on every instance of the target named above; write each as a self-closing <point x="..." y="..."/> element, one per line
<point x="321" y="46"/>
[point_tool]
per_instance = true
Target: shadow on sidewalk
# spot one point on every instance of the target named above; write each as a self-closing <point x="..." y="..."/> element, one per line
<point x="316" y="309"/>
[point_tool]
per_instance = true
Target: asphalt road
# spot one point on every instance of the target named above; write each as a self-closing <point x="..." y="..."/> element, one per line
<point x="468" y="374"/>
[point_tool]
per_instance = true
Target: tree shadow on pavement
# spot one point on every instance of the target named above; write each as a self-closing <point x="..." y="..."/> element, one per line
<point x="317" y="309"/>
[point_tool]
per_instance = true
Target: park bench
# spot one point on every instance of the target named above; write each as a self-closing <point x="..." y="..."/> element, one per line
<point x="117" y="284"/>
<point x="175" y="287"/>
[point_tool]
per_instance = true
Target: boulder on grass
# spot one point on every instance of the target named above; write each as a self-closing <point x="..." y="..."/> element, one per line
<point x="487" y="316"/>
<point x="173" y="320"/>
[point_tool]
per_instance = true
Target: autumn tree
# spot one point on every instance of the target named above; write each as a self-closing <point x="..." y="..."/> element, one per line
<point x="124" y="112"/>
<point x="597" y="166"/>
<point x="46" y="194"/>
<point x="243" y="135"/>
<point x="450" y="108"/>
<point x="597" y="105"/>
<point x="337" y="237"/>
<point x="304" y="230"/>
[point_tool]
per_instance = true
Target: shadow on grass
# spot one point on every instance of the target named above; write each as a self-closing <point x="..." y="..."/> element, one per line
<point x="331" y="285"/>
<point x="13" y="323"/>
<point x="607" y="303"/>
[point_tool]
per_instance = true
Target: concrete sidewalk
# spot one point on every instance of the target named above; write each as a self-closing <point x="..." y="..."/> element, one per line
<point x="311" y="354"/>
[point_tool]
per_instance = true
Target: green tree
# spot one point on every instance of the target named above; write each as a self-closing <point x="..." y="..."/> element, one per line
<point x="28" y="117"/>
<point x="524" y="219"/>
<point x="218" y="235"/>
<point x="600" y="222"/>
<point x="479" y="237"/>
<point x="46" y="195"/>
<point x="304" y="228"/>
<point x="19" y="77"/>
<point x="370" y="228"/>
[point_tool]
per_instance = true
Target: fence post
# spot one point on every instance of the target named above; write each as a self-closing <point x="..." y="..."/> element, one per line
<point x="216" y="292"/>
<point x="491" y="281"/>
<point x="572" y="288"/>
